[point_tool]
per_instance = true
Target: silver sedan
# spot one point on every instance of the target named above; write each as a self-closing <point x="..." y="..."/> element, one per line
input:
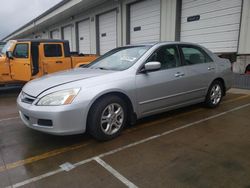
<point x="123" y="85"/>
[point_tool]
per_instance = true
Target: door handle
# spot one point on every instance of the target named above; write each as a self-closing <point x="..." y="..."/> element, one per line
<point x="59" y="62"/>
<point x="210" y="68"/>
<point x="179" y="74"/>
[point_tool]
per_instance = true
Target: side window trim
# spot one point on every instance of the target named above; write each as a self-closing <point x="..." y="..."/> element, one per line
<point x="195" y="47"/>
<point x="14" y="51"/>
<point x="181" y="56"/>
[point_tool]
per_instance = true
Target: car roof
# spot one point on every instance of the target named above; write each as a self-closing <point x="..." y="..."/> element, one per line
<point x="162" y="43"/>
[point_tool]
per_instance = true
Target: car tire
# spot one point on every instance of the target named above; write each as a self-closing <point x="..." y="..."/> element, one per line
<point x="107" y="118"/>
<point x="214" y="94"/>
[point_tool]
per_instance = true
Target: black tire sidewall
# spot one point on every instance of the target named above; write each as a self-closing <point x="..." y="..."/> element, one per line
<point x="208" y="101"/>
<point x="95" y="113"/>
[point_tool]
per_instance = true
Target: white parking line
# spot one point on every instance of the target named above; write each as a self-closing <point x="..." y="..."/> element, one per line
<point x="115" y="173"/>
<point x="128" y="146"/>
<point x="8" y="119"/>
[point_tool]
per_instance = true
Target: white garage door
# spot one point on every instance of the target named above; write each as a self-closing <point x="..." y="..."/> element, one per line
<point x="145" y="21"/>
<point x="68" y="35"/>
<point x="107" y="32"/>
<point x="213" y="24"/>
<point x="55" y="34"/>
<point x="84" y="36"/>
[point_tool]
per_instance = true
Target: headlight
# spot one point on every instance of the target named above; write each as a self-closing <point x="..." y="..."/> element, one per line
<point x="59" y="98"/>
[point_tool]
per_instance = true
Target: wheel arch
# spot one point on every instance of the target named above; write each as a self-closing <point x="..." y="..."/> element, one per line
<point x="132" y="116"/>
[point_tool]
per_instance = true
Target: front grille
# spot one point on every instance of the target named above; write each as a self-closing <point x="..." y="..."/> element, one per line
<point x="27" y="98"/>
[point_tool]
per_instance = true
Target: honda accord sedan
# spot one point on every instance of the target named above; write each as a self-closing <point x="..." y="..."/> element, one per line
<point x="125" y="84"/>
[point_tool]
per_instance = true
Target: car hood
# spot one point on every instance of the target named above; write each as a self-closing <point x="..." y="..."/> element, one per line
<point x="37" y="86"/>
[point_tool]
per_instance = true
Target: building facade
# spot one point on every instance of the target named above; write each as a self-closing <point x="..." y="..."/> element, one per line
<point x="97" y="26"/>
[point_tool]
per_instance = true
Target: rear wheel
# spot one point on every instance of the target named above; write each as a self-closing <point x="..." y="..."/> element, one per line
<point x="214" y="94"/>
<point x="107" y="117"/>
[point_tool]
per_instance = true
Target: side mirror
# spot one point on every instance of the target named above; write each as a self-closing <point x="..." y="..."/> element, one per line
<point x="9" y="55"/>
<point x="152" y="66"/>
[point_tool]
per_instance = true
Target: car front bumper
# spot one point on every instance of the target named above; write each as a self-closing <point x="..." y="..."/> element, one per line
<point x="57" y="120"/>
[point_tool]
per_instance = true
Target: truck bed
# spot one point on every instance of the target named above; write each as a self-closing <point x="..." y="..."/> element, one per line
<point x="80" y="60"/>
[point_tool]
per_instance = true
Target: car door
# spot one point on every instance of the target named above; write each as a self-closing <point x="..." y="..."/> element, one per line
<point x="165" y="88"/>
<point x="20" y="64"/>
<point x="53" y="58"/>
<point x="200" y="70"/>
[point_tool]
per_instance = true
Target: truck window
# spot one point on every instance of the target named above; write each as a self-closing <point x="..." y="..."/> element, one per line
<point x="52" y="50"/>
<point x="21" y="51"/>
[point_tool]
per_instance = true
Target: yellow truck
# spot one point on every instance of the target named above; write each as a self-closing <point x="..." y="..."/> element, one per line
<point x="24" y="59"/>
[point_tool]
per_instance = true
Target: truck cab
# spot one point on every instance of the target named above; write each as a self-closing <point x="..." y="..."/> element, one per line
<point x="23" y="60"/>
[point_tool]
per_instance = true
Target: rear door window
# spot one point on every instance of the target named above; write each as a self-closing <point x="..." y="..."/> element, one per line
<point x="194" y="55"/>
<point x="53" y="50"/>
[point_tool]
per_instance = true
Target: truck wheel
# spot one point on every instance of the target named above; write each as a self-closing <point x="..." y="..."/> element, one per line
<point x="214" y="94"/>
<point x="107" y="117"/>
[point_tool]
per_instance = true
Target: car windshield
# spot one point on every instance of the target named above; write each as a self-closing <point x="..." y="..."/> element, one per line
<point x="7" y="47"/>
<point x="119" y="59"/>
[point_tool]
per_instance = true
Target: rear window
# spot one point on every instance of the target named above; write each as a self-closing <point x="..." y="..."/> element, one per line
<point x="52" y="50"/>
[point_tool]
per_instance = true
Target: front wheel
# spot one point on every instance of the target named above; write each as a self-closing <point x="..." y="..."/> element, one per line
<point x="107" y="118"/>
<point x="214" y="94"/>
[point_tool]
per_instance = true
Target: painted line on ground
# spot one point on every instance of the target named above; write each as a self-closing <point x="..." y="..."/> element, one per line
<point x="115" y="173"/>
<point x="8" y="119"/>
<point x="75" y="147"/>
<point x="42" y="156"/>
<point x="28" y="181"/>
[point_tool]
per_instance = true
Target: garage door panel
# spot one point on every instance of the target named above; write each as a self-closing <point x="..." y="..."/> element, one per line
<point x="218" y="26"/>
<point x="224" y="49"/>
<point x="197" y="3"/>
<point x="149" y="18"/>
<point x="108" y="26"/>
<point x="210" y="30"/>
<point x="210" y="4"/>
<point x="145" y="39"/>
<point x="145" y="21"/>
<point x="215" y="22"/>
<point x="68" y="35"/>
<point x="147" y="27"/>
<point x="150" y="10"/>
<point x="211" y="15"/>
<point x="214" y="37"/>
<point x="84" y="37"/>
<point x="107" y="31"/>
<point x="144" y="5"/>
<point x="216" y="6"/>
<point x="221" y="44"/>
